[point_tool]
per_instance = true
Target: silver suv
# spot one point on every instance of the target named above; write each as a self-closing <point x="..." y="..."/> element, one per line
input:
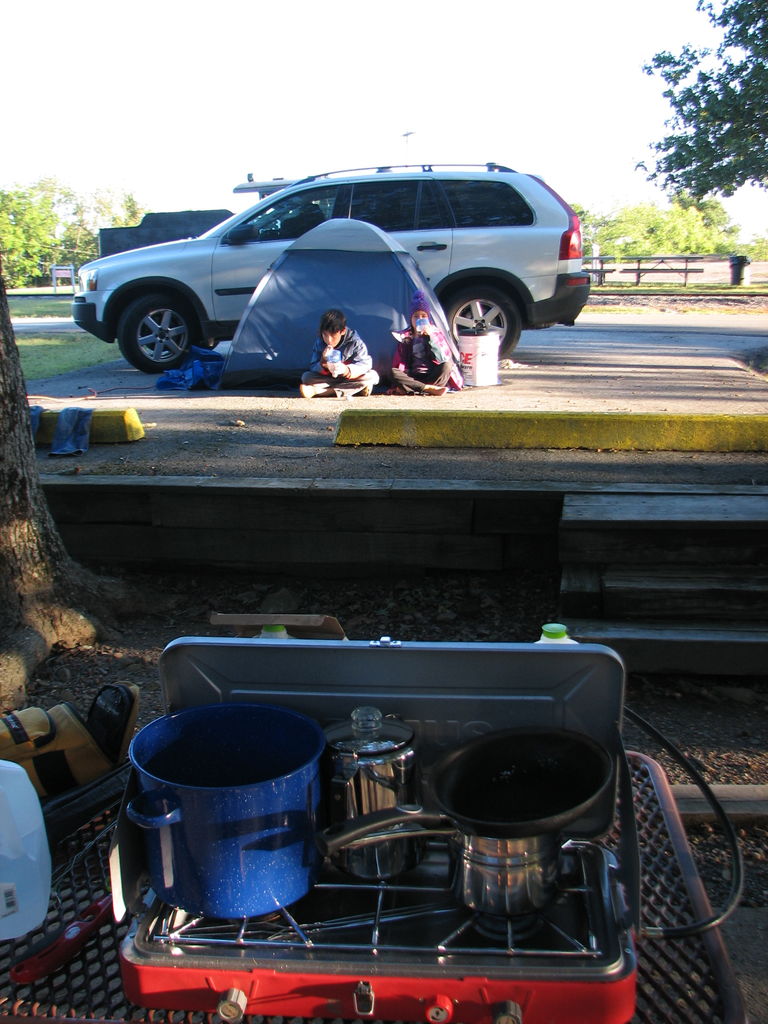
<point x="501" y="250"/>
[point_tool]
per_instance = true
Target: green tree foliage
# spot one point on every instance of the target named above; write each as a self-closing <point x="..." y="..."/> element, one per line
<point x="720" y="104"/>
<point x="47" y="223"/>
<point x="28" y="223"/>
<point x="685" y="227"/>
<point x="757" y="249"/>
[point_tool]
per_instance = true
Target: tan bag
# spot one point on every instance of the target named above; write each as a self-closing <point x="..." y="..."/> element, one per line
<point x="61" y="750"/>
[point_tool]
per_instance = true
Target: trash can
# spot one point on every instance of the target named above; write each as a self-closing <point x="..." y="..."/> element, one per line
<point x="739" y="269"/>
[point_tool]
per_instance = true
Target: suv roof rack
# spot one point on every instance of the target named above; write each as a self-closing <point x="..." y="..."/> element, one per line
<point x="266" y="187"/>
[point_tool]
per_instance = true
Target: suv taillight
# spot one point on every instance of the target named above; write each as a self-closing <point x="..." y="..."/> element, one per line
<point x="570" y="243"/>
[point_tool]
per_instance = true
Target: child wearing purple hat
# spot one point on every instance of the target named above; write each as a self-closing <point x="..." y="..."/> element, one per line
<point x="423" y="363"/>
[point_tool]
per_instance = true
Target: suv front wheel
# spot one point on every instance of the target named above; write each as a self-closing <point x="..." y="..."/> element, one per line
<point x="156" y="332"/>
<point x="485" y="308"/>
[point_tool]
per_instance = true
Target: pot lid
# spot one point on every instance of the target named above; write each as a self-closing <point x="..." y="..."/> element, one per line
<point x="367" y="731"/>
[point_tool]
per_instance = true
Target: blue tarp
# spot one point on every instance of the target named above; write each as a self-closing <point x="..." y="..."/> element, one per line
<point x="201" y="370"/>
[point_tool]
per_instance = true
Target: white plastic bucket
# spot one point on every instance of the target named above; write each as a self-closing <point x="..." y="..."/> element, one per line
<point x="479" y="359"/>
<point x="25" y="860"/>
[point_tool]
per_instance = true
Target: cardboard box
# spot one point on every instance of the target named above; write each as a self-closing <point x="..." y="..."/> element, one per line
<point x="299" y="627"/>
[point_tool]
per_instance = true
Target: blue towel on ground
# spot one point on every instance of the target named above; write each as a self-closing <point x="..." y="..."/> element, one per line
<point x="35" y="412"/>
<point x="73" y="428"/>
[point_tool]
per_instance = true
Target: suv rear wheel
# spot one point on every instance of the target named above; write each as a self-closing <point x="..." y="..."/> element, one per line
<point x="156" y="332"/>
<point x="485" y="307"/>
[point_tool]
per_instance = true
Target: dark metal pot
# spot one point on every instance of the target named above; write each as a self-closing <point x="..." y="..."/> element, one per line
<point x="504" y="799"/>
<point x="229" y="798"/>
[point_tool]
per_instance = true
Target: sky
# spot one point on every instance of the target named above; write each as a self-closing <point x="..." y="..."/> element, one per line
<point x="176" y="102"/>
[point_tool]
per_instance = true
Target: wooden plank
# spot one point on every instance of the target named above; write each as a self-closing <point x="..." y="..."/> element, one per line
<point x="692" y="593"/>
<point x="744" y="804"/>
<point x="692" y="648"/>
<point x="293" y="552"/>
<point x="659" y="511"/>
<point x="662" y="270"/>
<point x="100" y="506"/>
<point x="515" y="513"/>
<point x="311" y="512"/>
<point x="54" y="482"/>
<point x="603" y="545"/>
<point x="527" y="551"/>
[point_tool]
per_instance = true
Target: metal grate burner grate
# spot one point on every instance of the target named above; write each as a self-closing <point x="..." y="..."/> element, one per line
<point x="418" y="917"/>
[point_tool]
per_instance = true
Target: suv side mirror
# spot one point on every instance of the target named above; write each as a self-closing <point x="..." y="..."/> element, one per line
<point x="239" y="235"/>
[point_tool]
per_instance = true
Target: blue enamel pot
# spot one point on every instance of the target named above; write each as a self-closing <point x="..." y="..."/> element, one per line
<point x="228" y="800"/>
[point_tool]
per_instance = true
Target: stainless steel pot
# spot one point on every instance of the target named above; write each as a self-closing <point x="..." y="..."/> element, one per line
<point x="506" y="877"/>
<point x="373" y="767"/>
<point x="504" y="799"/>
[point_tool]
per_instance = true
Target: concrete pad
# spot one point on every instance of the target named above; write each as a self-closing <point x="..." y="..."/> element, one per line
<point x="456" y="428"/>
<point x="108" y="426"/>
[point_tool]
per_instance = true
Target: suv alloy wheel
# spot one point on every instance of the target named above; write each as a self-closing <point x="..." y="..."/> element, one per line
<point x="485" y="308"/>
<point x="156" y="332"/>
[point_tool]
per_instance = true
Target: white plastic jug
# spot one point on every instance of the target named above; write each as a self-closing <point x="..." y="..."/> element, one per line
<point x="25" y="860"/>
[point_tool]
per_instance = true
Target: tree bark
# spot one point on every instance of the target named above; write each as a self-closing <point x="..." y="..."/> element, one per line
<point x="45" y="596"/>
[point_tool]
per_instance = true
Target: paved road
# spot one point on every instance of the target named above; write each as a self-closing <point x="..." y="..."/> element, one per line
<point x="647" y="362"/>
<point x="607" y="360"/>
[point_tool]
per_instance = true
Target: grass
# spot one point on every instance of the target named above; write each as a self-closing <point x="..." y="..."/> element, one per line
<point x="47" y="355"/>
<point x="39" y="305"/>
<point x="50" y="353"/>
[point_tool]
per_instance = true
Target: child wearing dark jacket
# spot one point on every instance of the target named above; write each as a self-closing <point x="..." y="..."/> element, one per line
<point x="340" y="363"/>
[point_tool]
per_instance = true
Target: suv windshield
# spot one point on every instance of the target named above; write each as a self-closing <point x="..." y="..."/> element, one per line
<point x="290" y="216"/>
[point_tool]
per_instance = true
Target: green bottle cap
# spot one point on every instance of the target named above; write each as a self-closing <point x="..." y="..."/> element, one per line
<point x="554" y="630"/>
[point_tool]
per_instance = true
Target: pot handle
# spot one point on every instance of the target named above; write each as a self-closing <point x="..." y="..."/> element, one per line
<point x="336" y="837"/>
<point x="153" y="809"/>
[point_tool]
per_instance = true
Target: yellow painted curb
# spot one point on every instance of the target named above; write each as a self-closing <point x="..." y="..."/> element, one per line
<point x="108" y="426"/>
<point x="616" y="431"/>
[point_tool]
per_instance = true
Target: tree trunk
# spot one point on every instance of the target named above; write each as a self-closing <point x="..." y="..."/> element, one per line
<point x="44" y="594"/>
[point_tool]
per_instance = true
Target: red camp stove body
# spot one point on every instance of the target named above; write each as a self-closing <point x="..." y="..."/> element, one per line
<point x="400" y="951"/>
<point x="407" y="948"/>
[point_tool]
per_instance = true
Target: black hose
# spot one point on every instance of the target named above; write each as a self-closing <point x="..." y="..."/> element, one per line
<point x="737" y="877"/>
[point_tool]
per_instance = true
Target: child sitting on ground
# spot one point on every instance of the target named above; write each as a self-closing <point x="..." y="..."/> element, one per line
<point x="423" y="363"/>
<point x="340" y="364"/>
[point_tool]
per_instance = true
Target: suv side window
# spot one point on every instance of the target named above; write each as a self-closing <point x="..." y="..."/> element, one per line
<point x="290" y="216"/>
<point x="433" y="210"/>
<point x="399" y="205"/>
<point x="390" y="205"/>
<point x="487" y="204"/>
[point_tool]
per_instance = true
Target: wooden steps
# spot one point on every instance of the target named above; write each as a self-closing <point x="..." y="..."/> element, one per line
<point x="673" y="582"/>
<point x="671" y="576"/>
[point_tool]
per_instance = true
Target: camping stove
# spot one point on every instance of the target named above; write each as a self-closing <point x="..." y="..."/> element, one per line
<point x="407" y="948"/>
<point x="404" y="950"/>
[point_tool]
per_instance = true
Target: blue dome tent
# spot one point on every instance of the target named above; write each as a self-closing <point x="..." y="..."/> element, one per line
<point x="344" y="264"/>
